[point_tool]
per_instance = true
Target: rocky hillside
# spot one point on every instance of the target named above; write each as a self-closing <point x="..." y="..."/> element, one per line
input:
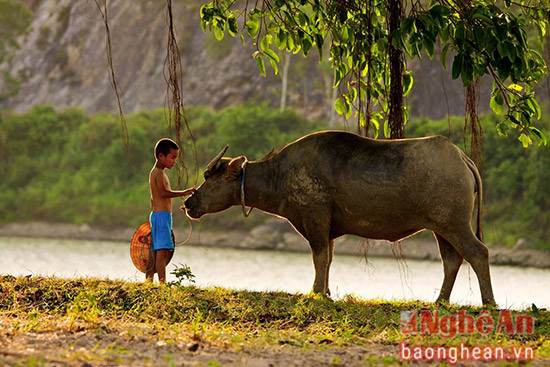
<point x="62" y="61"/>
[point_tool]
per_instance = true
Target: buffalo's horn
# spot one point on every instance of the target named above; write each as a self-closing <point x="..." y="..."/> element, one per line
<point x="216" y="159"/>
<point x="268" y="155"/>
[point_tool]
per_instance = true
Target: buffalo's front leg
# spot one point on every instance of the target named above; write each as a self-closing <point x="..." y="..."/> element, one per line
<point x="315" y="230"/>
<point x="317" y="235"/>
<point x="320" y="251"/>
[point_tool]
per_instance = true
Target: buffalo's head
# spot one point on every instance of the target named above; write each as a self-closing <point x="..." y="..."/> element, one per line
<point x="220" y="189"/>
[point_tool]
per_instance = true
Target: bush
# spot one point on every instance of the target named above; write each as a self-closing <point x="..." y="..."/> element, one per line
<point x="69" y="167"/>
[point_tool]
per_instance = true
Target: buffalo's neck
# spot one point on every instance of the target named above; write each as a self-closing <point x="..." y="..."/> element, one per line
<point x="264" y="186"/>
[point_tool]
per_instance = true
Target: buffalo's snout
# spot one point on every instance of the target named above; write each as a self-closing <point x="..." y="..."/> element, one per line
<point x="187" y="204"/>
<point x="190" y="206"/>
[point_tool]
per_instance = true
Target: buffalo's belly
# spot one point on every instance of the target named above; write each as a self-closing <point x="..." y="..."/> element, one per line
<point x="375" y="230"/>
<point x="389" y="222"/>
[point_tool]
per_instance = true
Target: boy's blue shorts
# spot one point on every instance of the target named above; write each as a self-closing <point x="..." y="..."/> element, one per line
<point x="161" y="230"/>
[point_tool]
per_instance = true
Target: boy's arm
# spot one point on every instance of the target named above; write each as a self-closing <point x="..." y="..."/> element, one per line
<point x="165" y="190"/>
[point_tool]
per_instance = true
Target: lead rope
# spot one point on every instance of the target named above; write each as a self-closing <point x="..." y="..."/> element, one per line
<point x="246" y="213"/>
<point x="188" y="237"/>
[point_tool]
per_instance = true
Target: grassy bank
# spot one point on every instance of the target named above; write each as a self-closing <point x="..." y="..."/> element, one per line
<point x="122" y="320"/>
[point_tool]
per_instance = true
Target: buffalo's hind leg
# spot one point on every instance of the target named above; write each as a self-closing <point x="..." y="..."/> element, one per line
<point x="330" y="256"/>
<point x="475" y="252"/>
<point x="451" y="264"/>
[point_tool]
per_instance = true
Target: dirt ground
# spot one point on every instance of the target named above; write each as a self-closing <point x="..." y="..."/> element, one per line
<point x="90" y="349"/>
<point x="87" y="348"/>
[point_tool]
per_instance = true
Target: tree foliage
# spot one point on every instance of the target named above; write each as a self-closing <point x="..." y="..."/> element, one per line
<point x="484" y="37"/>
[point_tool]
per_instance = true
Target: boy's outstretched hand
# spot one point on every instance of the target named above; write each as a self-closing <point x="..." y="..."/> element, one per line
<point x="190" y="191"/>
<point x="187" y="192"/>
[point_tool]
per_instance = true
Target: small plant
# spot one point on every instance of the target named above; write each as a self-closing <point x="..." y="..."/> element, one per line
<point x="182" y="273"/>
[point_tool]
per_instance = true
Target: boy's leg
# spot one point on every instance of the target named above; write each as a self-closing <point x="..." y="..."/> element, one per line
<point x="151" y="265"/>
<point x="149" y="275"/>
<point x="160" y="264"/>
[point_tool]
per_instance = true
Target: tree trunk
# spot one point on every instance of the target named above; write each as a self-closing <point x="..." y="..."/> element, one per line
<point x="472" y="126"/>
<point x="396" y="116"/>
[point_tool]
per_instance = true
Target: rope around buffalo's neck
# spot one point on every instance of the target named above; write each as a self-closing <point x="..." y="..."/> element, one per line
<point x="245" y="212"/>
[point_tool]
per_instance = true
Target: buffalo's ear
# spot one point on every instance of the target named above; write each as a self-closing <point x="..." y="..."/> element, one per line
<point x="234" y="168"/>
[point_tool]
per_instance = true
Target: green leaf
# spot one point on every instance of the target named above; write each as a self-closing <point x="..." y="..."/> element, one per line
<point x="502" y="128"/>
<point x="233" y="29"/>
<point x="496" y="103"/>
<point x="457" y="66"/>
<point x="429" y="46"/>
<point x="345" y="34"/>
<point x="539" y="135"/>
<point x="274" y="66"/>
<point x="319" y="41"/>
<point x="347" y="105"/>
<point x="460" y="34"/>
<point x="407" y="25"/>
<point x="387" y="132"/>
<point x="272" y="55"/>
<point x="252" y="27"/>
<point x="280" y="40"/>
<point x="525" y="140"/>
<point x="261" y="65"/>
<point x="376" y="125"/>
<point x="479" y="34"/>
<point x="264" y="43"/>
<point x="515" y="87"/>
<point x="219" y="33"/>
<point x="306" y="44"/>
<point x="444" y="55"/>
<point x="353" y="94"/>
<point x="407" y="83"/>
<point x="467" y="71"/>
<point x="338" y="107"/>
<point x="514" y="120"/>
<point x="290" y="43"/>
<point x="535" y="105"/>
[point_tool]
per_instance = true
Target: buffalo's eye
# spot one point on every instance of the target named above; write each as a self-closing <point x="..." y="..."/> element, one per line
<point x="206" y="175"/>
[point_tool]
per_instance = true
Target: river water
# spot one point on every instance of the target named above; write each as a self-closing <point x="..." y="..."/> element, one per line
<point x="388" y="279"/>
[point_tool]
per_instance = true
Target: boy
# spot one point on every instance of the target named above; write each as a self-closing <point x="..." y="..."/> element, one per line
<point x="166" y="153"/>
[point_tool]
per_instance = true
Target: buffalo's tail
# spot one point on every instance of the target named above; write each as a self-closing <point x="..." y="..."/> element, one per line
<point x="479" y="190"/>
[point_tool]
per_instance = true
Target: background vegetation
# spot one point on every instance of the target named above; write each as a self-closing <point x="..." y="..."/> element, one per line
<point x="66" y="166"/>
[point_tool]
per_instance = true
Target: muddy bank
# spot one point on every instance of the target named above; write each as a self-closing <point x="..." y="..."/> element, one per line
<point x="278" y="235"/>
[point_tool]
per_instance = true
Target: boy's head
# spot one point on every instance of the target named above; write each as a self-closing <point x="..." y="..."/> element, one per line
<point x="166" y="152"/>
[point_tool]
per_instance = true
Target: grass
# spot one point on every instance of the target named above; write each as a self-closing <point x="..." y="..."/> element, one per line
<point x="228" y="318"/>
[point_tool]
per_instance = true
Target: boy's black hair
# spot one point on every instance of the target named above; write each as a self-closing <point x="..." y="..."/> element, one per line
<point x="164" y="146"/>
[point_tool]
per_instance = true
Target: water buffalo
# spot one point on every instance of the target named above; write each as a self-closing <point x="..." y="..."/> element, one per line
<point x="331" y="183"/>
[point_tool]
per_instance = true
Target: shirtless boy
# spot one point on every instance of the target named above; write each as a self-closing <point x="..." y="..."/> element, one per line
<point x="166" y="153"/>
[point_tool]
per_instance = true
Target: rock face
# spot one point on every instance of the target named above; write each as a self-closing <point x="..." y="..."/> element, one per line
<point x="62" y="61"/>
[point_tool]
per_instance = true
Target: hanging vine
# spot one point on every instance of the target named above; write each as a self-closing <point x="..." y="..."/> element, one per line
<point x="472" y="126"/>
<point x="112" y="78"/>
<point x="178" y="125"/>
